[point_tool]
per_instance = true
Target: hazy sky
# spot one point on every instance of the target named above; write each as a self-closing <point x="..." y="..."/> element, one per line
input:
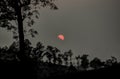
<point x="89" y="26"/>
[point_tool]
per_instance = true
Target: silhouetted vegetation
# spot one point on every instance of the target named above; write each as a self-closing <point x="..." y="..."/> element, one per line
<point x="23" y="61"/>
<point x="18" y="11"/>
<point x="49" y="61"/>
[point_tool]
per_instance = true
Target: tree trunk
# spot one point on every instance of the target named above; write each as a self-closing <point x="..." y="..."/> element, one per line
<point x="21" y="54"/>
<point x="26" y="65"/>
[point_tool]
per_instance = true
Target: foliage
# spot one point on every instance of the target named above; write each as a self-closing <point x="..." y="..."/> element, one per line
<point x="84" y="61"/>
<point x="52" y="53"/>
<point x="96" y="63"/>
<point x="37" y="52"/>
<point x="55" y="58"/>
<point x="78" y="60"/>
<point x="15" y="13"/>
<point x="110" y="62"/>
<point x="29" y="11"/>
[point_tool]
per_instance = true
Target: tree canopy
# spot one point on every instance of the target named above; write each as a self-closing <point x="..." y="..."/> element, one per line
<point x="19" y="11"/>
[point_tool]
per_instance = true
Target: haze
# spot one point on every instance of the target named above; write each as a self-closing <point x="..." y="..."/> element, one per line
<point x="89" y="26"/>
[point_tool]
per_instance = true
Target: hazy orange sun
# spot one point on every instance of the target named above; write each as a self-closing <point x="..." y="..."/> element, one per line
<point x="61" y="37"/>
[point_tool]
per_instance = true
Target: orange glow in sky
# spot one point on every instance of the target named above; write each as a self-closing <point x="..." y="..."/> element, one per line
<point x="61" y="37"/>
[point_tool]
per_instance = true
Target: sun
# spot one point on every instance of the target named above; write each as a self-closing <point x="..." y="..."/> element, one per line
<point x="61" y="37"/>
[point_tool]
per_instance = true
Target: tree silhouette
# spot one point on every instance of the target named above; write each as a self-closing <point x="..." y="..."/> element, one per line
<point x="78" y="60"/>
<point x="20" y="10"/>
<point x="110" y="62"/>
<point x="65" y="58"/>
<point x="27" y="47"/>
<point x="55" y="67"/>
<point x="96" y="63"/>
<point x="49" y="56"/>
<point x="13" y="50"/>
<point x="84" y="61"/>
<point x="9" y="54"/>
<point x="70" y="55"/>
<point x="52" y="52"/>
<point x="59" y="59"/>
<point x="114" y="60"/>
<point x="38" y="51"/>
<point x="3" y="54"/>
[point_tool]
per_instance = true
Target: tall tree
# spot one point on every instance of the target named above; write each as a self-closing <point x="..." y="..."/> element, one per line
<point x="19" y="11"/>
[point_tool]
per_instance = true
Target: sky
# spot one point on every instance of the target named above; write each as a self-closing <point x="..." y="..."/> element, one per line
<point x="89" y="26"/>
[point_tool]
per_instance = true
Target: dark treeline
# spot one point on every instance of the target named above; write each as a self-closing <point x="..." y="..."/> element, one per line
<point x="49" y="61"/>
